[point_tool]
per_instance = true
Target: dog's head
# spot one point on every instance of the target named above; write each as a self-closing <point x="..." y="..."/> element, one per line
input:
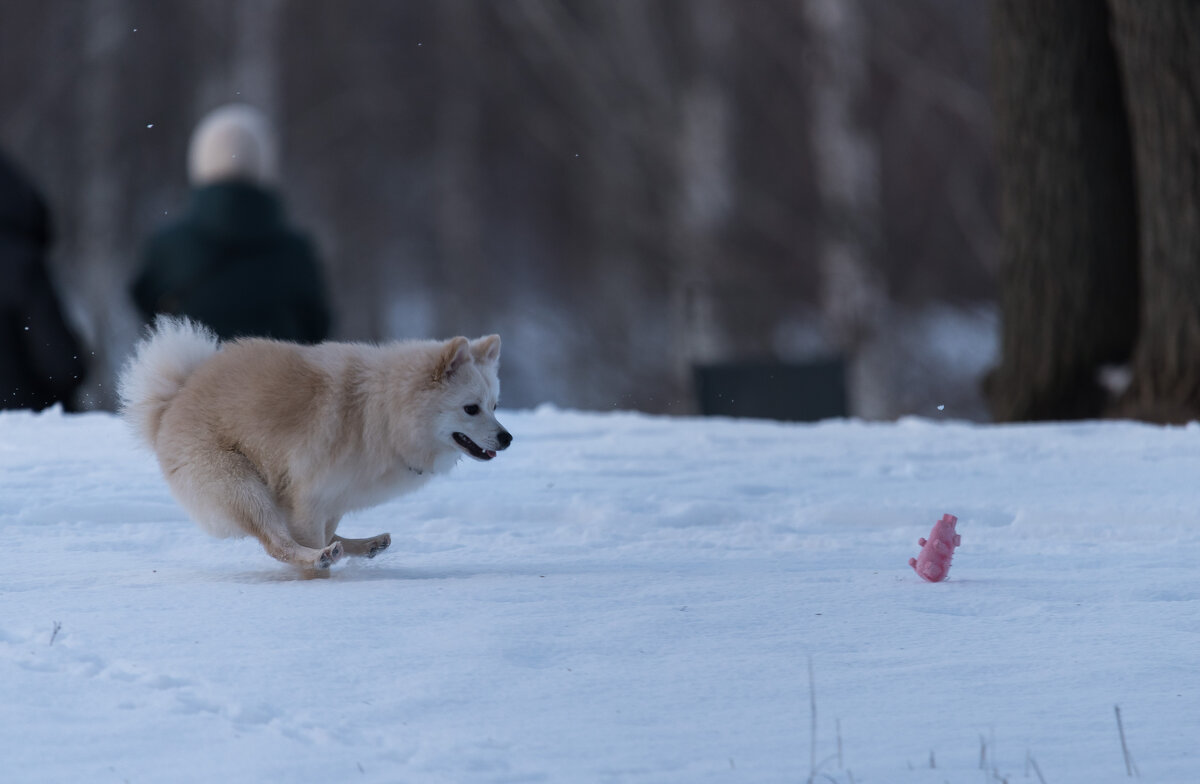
<point x="470" y="390"/>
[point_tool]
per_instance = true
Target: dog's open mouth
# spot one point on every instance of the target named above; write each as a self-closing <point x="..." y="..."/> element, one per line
<point x="472" y="448"/>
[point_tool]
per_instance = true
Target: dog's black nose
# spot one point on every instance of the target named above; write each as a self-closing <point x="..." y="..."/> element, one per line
<point x="505" y="438"/>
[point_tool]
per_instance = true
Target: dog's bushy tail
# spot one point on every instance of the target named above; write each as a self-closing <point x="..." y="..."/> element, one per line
<point x="161" y="363"/>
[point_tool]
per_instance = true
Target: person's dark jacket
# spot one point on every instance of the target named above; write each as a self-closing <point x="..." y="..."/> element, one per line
<point x="234" y="264"/>
<point x="40" y="358"/>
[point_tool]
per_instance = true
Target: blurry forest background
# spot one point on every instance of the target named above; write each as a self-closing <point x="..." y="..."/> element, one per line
<point x="623" y="189"/>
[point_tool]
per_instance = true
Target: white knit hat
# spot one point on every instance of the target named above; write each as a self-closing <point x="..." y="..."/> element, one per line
<point x="234" y="142"/>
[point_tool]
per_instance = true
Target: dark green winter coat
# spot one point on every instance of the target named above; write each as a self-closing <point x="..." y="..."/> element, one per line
<point x="234" y="264"/>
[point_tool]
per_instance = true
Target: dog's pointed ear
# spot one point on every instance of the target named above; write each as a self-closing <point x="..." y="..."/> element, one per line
<point x="456" y="352"/>
<point x="486" y="350"/>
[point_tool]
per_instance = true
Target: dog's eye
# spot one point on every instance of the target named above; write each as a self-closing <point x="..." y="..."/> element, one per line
<point x="471" y="410"/>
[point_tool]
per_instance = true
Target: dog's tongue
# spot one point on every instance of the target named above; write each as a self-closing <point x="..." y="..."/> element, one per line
<point x="489" y="453"/>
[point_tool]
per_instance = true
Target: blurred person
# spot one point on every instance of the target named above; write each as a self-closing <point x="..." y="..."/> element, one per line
<point x="232" y="262"/>
<point x="40" y="362"/>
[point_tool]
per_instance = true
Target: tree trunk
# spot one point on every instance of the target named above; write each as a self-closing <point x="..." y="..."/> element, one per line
<point x="255" y="67"/>
<point x="854" y="297"/>
<point x="1069" y="241"/>
<point x="701" y="200"/>
<point x="100" y="239"/>
<point x="457" y="179"/>
<point x="1159" y="43"/>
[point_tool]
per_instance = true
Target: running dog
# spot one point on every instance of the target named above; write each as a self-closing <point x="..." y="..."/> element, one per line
<point x="279" y="440"/>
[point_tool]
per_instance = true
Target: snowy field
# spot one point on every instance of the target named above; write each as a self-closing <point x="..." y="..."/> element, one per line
<point x="622" y="598"/>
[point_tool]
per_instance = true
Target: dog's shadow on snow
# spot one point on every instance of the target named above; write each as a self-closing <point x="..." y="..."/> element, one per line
<point x="355" y="572"/>
<point x="362" y="572"/>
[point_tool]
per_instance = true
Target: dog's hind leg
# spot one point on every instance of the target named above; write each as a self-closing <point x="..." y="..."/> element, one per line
<point x="268" y="523"/>
<point x="365" y="547"/>
<point x="225" y="487"/>
<point x="264" y="520"/>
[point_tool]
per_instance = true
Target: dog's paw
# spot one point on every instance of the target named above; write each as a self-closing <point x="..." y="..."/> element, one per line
<point x="380" y="543"/>
<point x="330" y="555"/>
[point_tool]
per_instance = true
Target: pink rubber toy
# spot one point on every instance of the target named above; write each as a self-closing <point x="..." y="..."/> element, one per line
<point x="933" y="562"/>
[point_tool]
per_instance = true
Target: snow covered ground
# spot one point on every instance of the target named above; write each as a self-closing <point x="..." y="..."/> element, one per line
<point x="621" y="598"/>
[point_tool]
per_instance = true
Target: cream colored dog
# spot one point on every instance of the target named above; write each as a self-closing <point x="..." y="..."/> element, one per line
<point x="278" y="441"/>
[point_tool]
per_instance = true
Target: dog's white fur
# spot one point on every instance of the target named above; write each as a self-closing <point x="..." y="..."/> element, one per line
<point x="278" y="440"/>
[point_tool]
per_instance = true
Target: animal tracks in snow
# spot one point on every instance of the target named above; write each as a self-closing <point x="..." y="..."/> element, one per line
<point x="44" y="652"/>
